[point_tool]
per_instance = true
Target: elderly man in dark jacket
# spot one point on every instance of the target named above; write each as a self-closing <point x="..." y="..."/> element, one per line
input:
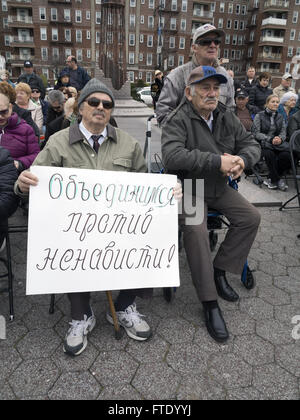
<point x="8" y="199"/>
<point x="203" y="139"/>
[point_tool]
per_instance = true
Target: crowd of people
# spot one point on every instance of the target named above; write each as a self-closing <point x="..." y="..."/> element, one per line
<point x="212" y="128"/>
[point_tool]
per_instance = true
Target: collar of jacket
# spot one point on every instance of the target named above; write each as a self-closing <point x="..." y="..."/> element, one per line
<point x="76" y="135"/>
<point x="193" y="113"/>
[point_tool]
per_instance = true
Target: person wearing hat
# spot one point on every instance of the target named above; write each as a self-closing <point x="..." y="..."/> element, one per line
<point x="203" y="139"/>
<point x="205" y="47"/>
<point x="63" y="80"/>
<point x="157" y="86"/>
<point x="78" y="75"/>
<point x="287" y="105"/>
<point x="243" y="110"/>
<point x="31" y="78"/>
<point x="99" y="146"/>
<point x="285" y="86"/>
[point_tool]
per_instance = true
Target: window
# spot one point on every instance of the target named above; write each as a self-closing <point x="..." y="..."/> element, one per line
<point x="44" y="53"/>
<point x="237" y="9"/>
<point x="220" y="23"/>
<point x="78" y="18"/>
<point x="242" y="25"/>
<point x="55" y="53"/>
<point x="184" y="6"/>
<point x="151" y="4"/>
<point x="295" y="17"/>
<point x="132" y="21"/>
<point x="150" y="41"/>
<point x="292" y="34"/>
<point x="222" y="7"/>
<point x="131" y="58"/>
<point x="240" y="39"/>
<point x="78" y="35"/>
<point x="230" y="8"/>
<point x="7" y="55"/>
<point x="98" y="18"/>
<point x="234" y="39"/>
<point x="150" y="22"/>
<point x="131" y="40"/>
<point x="141" y="38"/>
<point x="132" y="3"/>
<point x="180" y="60"/>
<point x="250" y="52"/>
<point x="140" y="75"/>
<point x="79" y="55"/>
<point x="67" y="15"/>
<point x="244" y="10"/>
<point x="290" y="51"/>
<point x="171" y="61"/>
<point x="68" y="35"/>
<point x="141" y="57"/>
<point x="233" y="54"/>
<point x="226" y="53"/>
<point x="238" y="54"/>
<point x="183" y="24"/>
<point x="88" y="53"/>
<point x="43" y="15"/>
<point x="227" y="39"/>
<point x="236" y="25"/>
<point x="173" y="24"/>
<point x="4" y="6"/>
<point x="149" y="59"/>
<point x="181" y="43"/>
<point x="228" y="25"/>
<point x="68" y="52"/>
<point x="6" y="40"/>
<point x="54" y="34"/>
<point x="131" y="76"/>
<point x="172" y="42"/>
<point x="174" y="5"/>
<point x="142" y="19"/>
<point x="148" y="77"/>
<point x="54" y="14"/>
<point x="88" y="15"/>
<point x="45" y="72"/>
<point x="43" y="32"/>
<point x="97" y="37"/>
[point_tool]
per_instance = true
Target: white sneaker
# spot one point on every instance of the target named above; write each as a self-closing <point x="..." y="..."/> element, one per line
<point x="131" y="320"/>
<point x="76" y="337"/>
<point x="282" y="185"/>
<point x="270" y="185"/>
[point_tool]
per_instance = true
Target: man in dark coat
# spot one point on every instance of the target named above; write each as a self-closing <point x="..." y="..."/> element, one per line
<point x="250" y="80"/>
<point x="31" y="78"/>
<point x="78" y="75"/>
<point x="8" y="199"/>
<point x="203" y="139"/>
<point x="157" y="86"/>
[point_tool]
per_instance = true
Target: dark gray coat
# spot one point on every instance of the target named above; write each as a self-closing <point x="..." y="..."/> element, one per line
<point x="192" y="151"/>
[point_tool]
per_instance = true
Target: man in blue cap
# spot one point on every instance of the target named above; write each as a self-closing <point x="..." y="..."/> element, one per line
<point x="203" y="139"/>
<point x="31" y="78"/>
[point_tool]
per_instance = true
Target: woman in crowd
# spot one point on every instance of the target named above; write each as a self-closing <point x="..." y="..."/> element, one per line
<point x="4" y="77"/>
<point x="16" y="135"/>
<point x="23" y="92"/>
<point x="287" y="105"/>
<point x="259" y="93"/>
<point x="269" y="129"/>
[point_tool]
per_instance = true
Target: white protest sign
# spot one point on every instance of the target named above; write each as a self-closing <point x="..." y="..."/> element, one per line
<point x="94" y="230"/>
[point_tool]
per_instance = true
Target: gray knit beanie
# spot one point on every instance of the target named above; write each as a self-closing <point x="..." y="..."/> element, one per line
<point x="93" y="86"/>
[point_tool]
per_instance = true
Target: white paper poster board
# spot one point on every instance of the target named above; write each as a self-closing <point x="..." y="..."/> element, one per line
<point x="94" y="230"/>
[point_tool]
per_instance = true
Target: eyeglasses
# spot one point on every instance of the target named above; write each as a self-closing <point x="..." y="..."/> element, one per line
<point x="95" y="102"/>
<point x="206" y="42"/>
<point x="35" y="91"/>
<point x="3" y="112"/>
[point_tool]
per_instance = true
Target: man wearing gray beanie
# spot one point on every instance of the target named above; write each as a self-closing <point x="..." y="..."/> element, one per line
<point x="98" y="145"/>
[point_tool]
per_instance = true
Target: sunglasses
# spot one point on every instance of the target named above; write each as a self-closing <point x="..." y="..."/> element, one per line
<point x="4" y="112"/>
<point x="35" y="91"/>
<point x="207" y="42"/>
<point x="95" y="102"/>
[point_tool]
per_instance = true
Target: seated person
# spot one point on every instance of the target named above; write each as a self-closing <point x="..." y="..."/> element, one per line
<point x="293" y="124"/>
<point x="259" y="93"/>
<point x="243" y="110"/>
<point x="269" y="130"/>
<point x="287" y="105"/>
<point x="8" y="199"/>
<point x="23" y="92"/>
<point x="17" y="136"/>
<point x="63" y="81"/>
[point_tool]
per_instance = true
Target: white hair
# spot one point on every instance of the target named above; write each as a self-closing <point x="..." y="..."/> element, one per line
<point x="287" y="96"/>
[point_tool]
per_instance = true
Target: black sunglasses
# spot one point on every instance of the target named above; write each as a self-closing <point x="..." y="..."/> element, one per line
<point x="4" y="112"/>
<point x="207" y="41"/>
<point x="95" y="102"/>
<point x="35" y="91"/>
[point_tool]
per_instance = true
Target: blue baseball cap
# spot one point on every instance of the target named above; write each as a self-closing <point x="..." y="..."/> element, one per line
<point x="205" y="72"/>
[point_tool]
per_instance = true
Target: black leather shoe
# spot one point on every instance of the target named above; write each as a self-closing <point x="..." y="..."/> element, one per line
<point x="248" y="281"/>
<point x="225" y="291"/>
<point x="215" y="324"/>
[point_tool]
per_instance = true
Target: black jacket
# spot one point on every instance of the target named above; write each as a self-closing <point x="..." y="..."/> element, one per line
<point x="247" y="86"/>
<point x="293" y="124"/>
<point x="258" y="97"/>
<point x="8" y="177"/>
<point x="34" y="81"/>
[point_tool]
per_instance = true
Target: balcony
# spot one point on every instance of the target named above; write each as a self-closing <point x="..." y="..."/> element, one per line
<point x="269" y="70"/>
<point x="202" y="15"/>
<point x="19" y="4"/>
<point x="18" y="60"/>
<point x="22" y="42"/>
<point x="274" y="22"/>
<point x="269" y="57"/>
<point x="271" y="40"/>
<point x="276" y="5"/>
<point x="60" y="1"/>
<point x="20" y="22"/>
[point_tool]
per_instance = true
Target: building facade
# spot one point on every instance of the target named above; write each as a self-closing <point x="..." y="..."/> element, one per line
<point x="139" y="36"/>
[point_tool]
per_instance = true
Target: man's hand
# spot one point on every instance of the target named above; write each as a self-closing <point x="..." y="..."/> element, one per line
<point x="177" y="191"/>
<point x="232" y="166"/>
<point x="26" y="179"/>
<point x="276" y="141"/>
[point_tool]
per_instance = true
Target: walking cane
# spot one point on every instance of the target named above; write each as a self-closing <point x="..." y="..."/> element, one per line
<point x="118" y="332"/>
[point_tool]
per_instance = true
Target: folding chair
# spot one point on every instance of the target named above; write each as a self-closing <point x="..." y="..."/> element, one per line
<point x="294" y="144"/>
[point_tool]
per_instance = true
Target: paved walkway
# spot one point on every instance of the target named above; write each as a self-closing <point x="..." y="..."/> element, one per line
<point x="260" y="361"/>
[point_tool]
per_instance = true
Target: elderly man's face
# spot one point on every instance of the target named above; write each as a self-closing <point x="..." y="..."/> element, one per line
<point x="96" y="116"/>
<point x="286" y="83"/>
<point x="206" y="96"/>
<point x="206" y="53"/>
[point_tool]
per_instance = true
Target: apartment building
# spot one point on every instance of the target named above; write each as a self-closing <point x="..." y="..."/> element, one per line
<point x="139" y="36"/>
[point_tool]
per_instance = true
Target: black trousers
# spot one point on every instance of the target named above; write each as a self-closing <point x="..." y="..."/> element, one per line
<point x="277" y="162"/>
<point x="80" y="303"/>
